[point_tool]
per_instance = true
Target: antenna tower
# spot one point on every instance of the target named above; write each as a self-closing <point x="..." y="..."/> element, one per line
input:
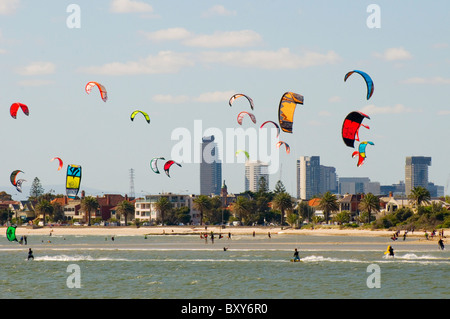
<point x="131" y="194"/>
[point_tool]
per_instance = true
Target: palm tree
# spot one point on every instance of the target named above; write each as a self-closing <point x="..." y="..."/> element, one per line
<point x="163" y="205"/>
<point x="283" y="202"/>
<point x="126" y="209"/>
<point x="44" y="207"/>
<point x="370" y="203"/>
<point x="418" y="196"/>
<point x="328" y="203"/>
<point x="202" y="203"/>
<point x="243" y="209"/>
<point x="89" y="204"/>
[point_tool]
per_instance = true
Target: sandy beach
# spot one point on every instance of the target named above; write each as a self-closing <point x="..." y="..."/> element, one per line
<point x="185" y="230"/>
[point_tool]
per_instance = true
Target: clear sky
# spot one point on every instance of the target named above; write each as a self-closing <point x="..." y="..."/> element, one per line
<point x="180" y="61"/>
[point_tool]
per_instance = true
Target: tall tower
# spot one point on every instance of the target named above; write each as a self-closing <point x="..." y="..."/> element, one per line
<point x="254" y="171"/>
<point x="210" y="167"/>
<point x="416" y="172"/>
<point x="131" y="194"/>
<point x="308" y="176"/>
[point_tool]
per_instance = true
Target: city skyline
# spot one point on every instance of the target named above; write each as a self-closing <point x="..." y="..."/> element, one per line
<point x="182" y="66"/>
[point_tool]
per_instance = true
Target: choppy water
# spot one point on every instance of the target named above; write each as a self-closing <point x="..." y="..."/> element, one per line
<point x="185" y="267"/>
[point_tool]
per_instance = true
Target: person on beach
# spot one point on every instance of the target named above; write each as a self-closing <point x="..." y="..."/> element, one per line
<point x="296" y="256"/>
<point x="30" y="254"/>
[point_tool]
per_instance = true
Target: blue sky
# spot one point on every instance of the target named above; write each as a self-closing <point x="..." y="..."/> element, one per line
<point x="181" y="61"/>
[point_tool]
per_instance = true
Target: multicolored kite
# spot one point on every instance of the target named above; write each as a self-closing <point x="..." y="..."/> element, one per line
<point x="168" y="165"/>
<point x="60" y="162"/>
<point x="367" y="78"/>
<point x="276" y="125"/>
<point x="16" y="183"/>
<point x="361" y="152"/>
<point x="234" y="97"/>
<point x="286" y="110"/>
<point x="350" y="127"/>
<point x="154" y="162"/>
<point x="286" y="145"/>
<point x="101" y="88"/>
<point x="73" y="180"/>
<point x="240" y="117"/>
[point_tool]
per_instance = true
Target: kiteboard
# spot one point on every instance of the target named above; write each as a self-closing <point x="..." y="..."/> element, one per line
<point x="295" y="260"/>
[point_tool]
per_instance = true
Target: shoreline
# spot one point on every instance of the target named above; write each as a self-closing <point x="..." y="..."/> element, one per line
<point x="196" y="230"/>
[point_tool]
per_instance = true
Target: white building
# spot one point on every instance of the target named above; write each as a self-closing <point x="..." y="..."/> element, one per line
<point x="145" y="208"/>
<point x="254" y="170"/>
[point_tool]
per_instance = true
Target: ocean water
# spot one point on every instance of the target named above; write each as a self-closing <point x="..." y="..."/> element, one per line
<point x="187" y="267"/>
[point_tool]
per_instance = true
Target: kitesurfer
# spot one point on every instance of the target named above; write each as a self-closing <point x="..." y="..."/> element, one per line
<point x="390" y="250"/>
<point x="30" y="254"/>
<point x="441" y="244"/>
<point x="296" y="256"/>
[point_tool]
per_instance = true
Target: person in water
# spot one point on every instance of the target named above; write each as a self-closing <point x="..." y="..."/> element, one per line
<point x="441" y="244"/>
<point x="296" y="256"/>
<point x="391" y="251"/>
<point x="30" y="254"/>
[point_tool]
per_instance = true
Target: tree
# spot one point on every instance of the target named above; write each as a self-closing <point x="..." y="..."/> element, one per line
<point x="44" y="207"/>
<point x="126" y="209"/>
<point x="36" y="188"/>
<point x="370" y="203"/>
<point x="243" y="208"/>
<point x="163" y="205"/>
<point x="328" y="203"/>
<point x="279" y="188"/>
<point x="418" y="196"/>
<point x="89" y="204"/>
<point x="202" y="203"/>
<point x="282" y="201"/>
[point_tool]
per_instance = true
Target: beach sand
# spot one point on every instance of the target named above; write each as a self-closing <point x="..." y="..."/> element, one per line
<point x="185" y="230"/>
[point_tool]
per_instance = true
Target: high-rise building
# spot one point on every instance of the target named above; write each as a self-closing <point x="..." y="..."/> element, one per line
<point x="210" y="167"/>
<point x="254" y="171"/>
<point x="308" y="176"/>
<point x="328" y="179"/>
<point x="416" y="172"/>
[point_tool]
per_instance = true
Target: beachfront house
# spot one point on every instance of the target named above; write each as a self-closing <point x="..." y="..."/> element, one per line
<point x="145" y="207"/>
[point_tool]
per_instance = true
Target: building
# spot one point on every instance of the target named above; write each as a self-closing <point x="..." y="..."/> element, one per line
<point x="308" y="177"/>
<point x="145" y="208"/>
<point x="254" y="171"/>
<point x="328" y="180"/>
<point x="210" y="167"/>
<point x="358" y="185"/>
<point x="416" y="172"/>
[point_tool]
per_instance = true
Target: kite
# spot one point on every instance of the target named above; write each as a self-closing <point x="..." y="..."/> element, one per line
<point x="15" y="108"/>
<point x="367" y="78"/>
<point x="276" y="125"/>
<point x="154" y="162"/>
<point x="286" y="110"/>
<point x="288" y="149"/>
<point x="361" y="152"/>
<point x="16" y="183"/>
<point x="169" y="164"/>
<point x="240" y="117"/>
<point x="60" y="162"/>
<point x="102" y="89"/>
<point x="73" y="180"/>
<point x="234" y="97"/>
<point x="242" y="151"/>
<point x="351" y="126"/>
<point x="19" y="185"/>
<point x="11" y="233"/>
<point x="143" y="113"/>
